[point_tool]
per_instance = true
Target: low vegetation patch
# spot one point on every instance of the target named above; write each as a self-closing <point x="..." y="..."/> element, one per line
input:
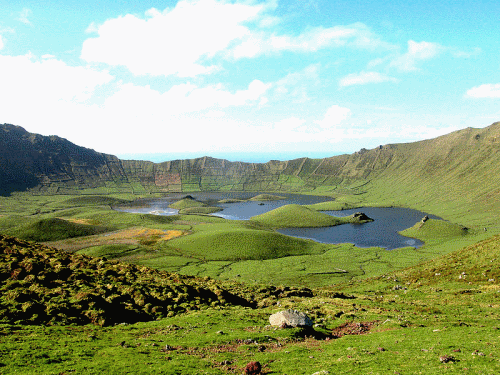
<point x="53" y="229"/>
<point x="201" y="210"/>
<point x="42" y="285"/>
<point x="95" y="200"/>
<point x="266" y="197"/>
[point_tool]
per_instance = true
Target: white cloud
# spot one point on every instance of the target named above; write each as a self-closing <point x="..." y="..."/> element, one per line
<point x="334" y="116"/>
<point x="489" y="90"/>
<point x="1" y="42"/>
<point x="143" y="102"/>
<point x="23" y="16"/>
<point x="176" y="41"/>
<point x="289" y="124"/>
<point x="45" y="93"/>
<point x="364" y="78"/>
<point x="294" y="86"/>
<point x="417" y="52"/>
<point x="29" y="79"/>
<point x="185" y="40"/>
<point x="263" y="43"/>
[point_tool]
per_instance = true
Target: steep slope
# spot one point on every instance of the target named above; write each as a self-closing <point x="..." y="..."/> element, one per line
<point x="448" y="175"/>
<point x="32" y="161"/>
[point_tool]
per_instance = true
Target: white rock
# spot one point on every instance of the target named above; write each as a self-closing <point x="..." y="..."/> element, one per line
<point x="292" y="318"/>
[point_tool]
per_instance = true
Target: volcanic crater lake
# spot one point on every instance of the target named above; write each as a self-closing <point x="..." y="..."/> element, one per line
<point x="382" y="232"/>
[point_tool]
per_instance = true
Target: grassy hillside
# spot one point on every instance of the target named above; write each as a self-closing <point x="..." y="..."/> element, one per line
<point x="439" y="317"/>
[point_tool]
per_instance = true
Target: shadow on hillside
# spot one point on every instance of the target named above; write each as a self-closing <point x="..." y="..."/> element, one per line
<point x="19" y="182"/>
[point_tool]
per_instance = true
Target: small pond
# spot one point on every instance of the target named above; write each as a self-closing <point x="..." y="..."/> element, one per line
<point x="382" y="232"/>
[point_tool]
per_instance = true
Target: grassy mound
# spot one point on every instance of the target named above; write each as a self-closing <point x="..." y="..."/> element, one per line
<point x="186" y="202"/>
<point x="296" y="216"/>
<point x="231" y="200"/>
<point x="54" y="229"/>
<point x="202" y="210"/>
<point x="435" y="230"/>
<point x="224" y="242"/>
<point x="42" y="285"/>
<point x="266" y="197"/>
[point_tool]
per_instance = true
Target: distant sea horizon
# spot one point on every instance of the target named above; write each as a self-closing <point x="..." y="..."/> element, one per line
<point x="247" y="157"/>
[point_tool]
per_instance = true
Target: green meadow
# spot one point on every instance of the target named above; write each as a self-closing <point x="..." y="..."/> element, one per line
<point x="87" y="289"/>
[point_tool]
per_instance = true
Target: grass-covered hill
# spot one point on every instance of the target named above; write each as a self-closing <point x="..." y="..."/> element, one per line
<point x="297" y="216"/>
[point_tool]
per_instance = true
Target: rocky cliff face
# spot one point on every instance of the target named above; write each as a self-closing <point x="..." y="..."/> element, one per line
<point x="33" y="161"/>
<point x="456" y="161"/>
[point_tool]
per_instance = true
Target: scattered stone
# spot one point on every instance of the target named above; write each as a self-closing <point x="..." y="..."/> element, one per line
<point x="381" y="349"/>
<point x="399" y="287"/>
<point x="322" y="372"/>
<point x="425" y="218"/>
<point x="447" y="358"/>
<point x="290" y="318"/>
<point x="253" y="368"/>
<point x="168" y="348"/>
<point x="220" y="332"/>
<point x="226" y="363"/>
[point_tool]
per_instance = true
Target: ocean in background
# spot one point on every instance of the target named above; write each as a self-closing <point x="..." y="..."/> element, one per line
<point x="248" y="157"/>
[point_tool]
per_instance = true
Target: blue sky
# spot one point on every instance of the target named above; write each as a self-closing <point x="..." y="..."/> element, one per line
<point x="241" y="78"/>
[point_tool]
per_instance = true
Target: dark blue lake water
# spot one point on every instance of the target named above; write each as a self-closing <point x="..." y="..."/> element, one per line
<point x="382" y="232"/>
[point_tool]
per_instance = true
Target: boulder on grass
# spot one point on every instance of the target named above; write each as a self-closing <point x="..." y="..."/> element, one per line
<point x="290" y="318"/>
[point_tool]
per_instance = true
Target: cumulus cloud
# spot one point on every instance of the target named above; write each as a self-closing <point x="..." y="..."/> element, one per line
<point x="289" y="124"/>
<point x="489" y="90"/>
<point x="1" y="42"/>
<point x="364" y="78"/>
<point x="180" y="99"/>
<point x="295" y="85"/>
<point x="30" y="79"/>
<point x="262" y="43"/>
<point x="23" y="16"/>
<point x="45" y="92"/>
<point x="185" y="40"/>
<point x="417" y="52"/>
<point x="334" y="116"/>
<point x="176" y="41"/>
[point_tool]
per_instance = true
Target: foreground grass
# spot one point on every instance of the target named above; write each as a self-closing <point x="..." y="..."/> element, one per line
<point x="427" y="319"/>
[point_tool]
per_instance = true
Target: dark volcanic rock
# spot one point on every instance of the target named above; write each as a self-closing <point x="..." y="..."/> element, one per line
<point x="253" y="368"/>
<point x="361" y="217"/>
